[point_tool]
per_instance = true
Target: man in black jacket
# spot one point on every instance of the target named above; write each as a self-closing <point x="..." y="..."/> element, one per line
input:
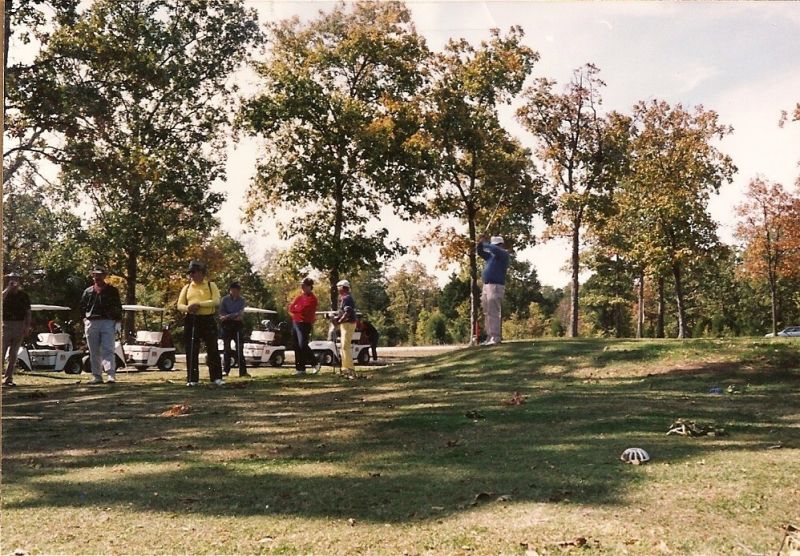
<point x="102" y="310"/>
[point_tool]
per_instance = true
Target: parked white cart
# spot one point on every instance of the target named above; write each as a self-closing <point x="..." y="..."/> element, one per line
<point x="50" y="351"/>
<point x="263" y="348"/>
<point x="328" y="352"/>
<point x="150" y="348"/>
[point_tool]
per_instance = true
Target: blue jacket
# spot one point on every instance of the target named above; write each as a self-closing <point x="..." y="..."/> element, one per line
<point x="496" y="263"/>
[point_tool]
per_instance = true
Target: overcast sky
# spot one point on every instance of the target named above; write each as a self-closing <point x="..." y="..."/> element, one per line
<point x="738" y="58"/>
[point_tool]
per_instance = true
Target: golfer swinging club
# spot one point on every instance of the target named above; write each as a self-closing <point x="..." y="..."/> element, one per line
<point x="494" y="279"/>
<point x="199" y="300"/>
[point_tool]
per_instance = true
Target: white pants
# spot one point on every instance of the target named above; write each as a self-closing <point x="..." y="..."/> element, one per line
<point x="100" y="338"/>
<point x="492" y="303"/>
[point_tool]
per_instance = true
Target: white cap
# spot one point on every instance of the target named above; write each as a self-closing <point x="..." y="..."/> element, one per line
<point x="496" y="240"/>
<point x="343" y="284"/>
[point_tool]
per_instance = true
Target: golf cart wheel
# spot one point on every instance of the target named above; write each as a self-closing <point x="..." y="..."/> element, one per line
<point x="87" y="365"/>
<point x="326" y="358"/>
<point x="277" y="359"/>
<point x="119" y="362"/>
<point x="141" y="367"/>
<point x="363" y="357"/>
<point x="73" y="366"/>
<point x="166" y="363"/>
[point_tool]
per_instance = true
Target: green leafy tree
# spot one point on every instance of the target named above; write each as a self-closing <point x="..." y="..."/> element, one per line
<point x="411" y="290"/>
<point x="571" y="135"/>
<point x="339" y="115"/>
<point x="140" y="94"/>
<point x="27" y="133"/>
<point x="675" y="167"/>
<point x="481" y="177"/>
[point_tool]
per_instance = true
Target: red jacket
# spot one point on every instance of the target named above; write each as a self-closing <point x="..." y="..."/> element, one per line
<point x="303" y="308"/>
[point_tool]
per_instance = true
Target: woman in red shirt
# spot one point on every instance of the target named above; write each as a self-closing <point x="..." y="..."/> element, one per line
<point x="303" y="310"/>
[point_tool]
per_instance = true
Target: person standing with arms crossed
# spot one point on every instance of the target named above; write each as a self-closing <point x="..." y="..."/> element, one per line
<point x="494" y="285"/>
<point x="16" y="323"/>
<point x="303" y="311"/>
<point x="102" y="310"/>
<point x="231" y="313"/>
<point x="346" y="319"/>
<point x="199" y="300"/>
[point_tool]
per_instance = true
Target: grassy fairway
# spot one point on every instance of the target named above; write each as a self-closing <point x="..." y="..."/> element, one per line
<point x="391" y="464"/>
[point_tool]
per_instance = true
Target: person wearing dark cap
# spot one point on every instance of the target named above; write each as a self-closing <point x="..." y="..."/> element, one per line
<point x="231" y="313"/>
<point x="199" y="300"/>
<point x="102" y="310"/>
<point x="303" y="311"/>
<point x="16" y="322"/>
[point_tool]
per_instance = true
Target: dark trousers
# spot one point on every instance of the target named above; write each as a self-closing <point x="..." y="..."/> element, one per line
<point x="196" y="329"/>
<point x="301" y="332"/>
<point x="373" y="344"/>
<point x="232" y="331"/>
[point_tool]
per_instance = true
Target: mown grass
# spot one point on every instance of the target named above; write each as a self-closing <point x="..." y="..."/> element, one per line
<point x="419" y="458"/>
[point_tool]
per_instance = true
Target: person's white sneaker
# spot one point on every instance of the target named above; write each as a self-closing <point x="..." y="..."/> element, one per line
<point x="315" y="369"/>
<point x="219" y="382"/>
<point x="191" y="384"/>
<point x="111" y="379"/>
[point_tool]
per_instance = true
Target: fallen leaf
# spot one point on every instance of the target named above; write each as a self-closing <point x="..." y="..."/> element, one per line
<point x="516" y="399"/>
<point x="482" y="497"/>
<point x="473" y="415"/>
<point x="268" y="538"/>
<point x="451" y="443"/>
<point x="20" y="552"/>
<point x="351" y="522"/>
<point x="177" y="409"/>
<point x="504" y="498"/>
<point x="375" y="474"/>
<point x="577" y="541"/>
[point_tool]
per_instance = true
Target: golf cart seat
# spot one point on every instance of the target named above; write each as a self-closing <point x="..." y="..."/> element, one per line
<point x="148" y="337"/>
<point x="58" y="340"/>
<point x="262" y="336"/>
<point x="356" y="336"/>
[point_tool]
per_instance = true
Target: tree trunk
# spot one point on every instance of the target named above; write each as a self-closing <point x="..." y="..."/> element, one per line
<point x="338" y="224"/>
<point x="662" y="307"/>
<point x="773" y="298"/>
<point x="474" y="291"/>
<point x="132" y="278"/>
<point x="640" y="316"/>
<point x="575" y="262"/>
<point x="676" y="273"/>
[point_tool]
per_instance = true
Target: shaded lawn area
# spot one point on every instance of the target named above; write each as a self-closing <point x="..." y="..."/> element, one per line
<point x="419" y="458"/>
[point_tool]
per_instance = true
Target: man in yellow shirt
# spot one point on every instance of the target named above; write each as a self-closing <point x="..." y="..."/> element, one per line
<point x="199" y="299"/>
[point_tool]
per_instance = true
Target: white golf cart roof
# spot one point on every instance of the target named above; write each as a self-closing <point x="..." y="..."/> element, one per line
<point x="331" y="313"/>
<point x="143" y="308"/>
<point x="260" y="311"/>
<point x="38" y="307"/>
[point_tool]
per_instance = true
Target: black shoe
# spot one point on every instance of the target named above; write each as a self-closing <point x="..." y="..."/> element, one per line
<point x="245" y="374"/>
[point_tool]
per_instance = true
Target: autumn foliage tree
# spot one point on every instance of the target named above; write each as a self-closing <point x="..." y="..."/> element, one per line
<point x="569" y="129"/>
<point x="769" y="226"/>
<point x="481" y="175"/>
<point x="675" y="166"/>
<point x="338" y="115"/>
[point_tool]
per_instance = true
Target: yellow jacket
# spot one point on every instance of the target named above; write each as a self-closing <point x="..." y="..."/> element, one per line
<point x="205" y="294"/>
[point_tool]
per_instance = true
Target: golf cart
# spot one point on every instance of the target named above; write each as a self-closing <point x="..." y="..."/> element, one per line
<point x="328" y="351"/>
<point x="51" y="351"/>
<point x="149" y="348"/>
<point x="263" y="347"/>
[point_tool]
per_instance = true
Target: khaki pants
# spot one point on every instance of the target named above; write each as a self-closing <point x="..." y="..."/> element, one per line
<point x="347" y="329"/>
<point x="13" y="334"/>
<point x="492" y="302"/>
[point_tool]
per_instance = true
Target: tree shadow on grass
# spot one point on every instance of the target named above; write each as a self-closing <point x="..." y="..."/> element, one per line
<point x="426" y="440"/>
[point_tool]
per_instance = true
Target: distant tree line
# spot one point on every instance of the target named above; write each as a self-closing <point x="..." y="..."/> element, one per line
<point x="117" y="128"/>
